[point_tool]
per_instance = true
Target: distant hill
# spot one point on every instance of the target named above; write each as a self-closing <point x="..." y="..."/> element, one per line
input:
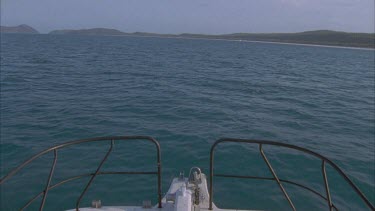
<point x="23" y="29"/>
<point x="94" y="31"/>
<point x="319" y="37"/>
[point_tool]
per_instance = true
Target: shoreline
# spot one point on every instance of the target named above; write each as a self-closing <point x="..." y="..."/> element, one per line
<point x="252" y="41"/>
<point x="255" y="41"/>
<point x="216" y="39"/>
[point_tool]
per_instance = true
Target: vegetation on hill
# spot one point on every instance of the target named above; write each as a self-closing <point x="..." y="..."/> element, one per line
<point x="24" y="29"/>
<point x="319" y="37"/>
<point x="94" y="31"/>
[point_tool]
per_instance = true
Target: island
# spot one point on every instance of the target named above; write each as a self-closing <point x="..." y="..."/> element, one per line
<point x="318" y="37"/>
<point x="94" y="31"/>
<point x="21" y="29"/>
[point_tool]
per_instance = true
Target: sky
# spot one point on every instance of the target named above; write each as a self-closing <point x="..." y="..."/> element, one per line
<point x="192" y="16"/>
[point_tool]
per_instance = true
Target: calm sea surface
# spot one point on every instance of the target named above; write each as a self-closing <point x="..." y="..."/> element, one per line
<point x="187" y="94"/>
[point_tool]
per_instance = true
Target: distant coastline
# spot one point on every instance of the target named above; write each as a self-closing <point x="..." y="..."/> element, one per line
<point x="253" y="41"/>
<point x="318" y="37"/>
<point x="21" y="29"/>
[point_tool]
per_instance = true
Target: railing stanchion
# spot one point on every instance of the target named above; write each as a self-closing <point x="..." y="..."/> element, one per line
<point x="276" y="177"/>
<point x="46" y="189"/>
<point x="211" y="192"/>
<point x="159" y="172"/>
<point x="93" y="176"/>
<point x="326" y="185"/>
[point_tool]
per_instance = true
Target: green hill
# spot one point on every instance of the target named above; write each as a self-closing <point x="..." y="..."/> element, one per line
<point x="94" y="31"/>
<point x="319" y="37"/>
<point x="23" y="29"/>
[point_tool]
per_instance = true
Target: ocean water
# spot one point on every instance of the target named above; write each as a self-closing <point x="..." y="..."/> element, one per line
<point x="186" y="93"/>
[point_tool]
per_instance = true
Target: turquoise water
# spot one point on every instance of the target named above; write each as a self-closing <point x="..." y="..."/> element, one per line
<point x="187" y="94"/>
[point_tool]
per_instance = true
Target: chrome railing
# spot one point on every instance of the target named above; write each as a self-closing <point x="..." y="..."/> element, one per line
<point x="279" y="181"/>
<point x="92" y="176"/>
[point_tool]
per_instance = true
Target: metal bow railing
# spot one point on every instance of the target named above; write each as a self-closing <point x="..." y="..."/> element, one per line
<point x="92" y="176"/>
<point x="279" y="181"/>
<point x="112" y="139"/>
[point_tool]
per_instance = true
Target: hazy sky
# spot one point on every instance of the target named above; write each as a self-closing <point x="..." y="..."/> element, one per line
<point x="194" y="16"/>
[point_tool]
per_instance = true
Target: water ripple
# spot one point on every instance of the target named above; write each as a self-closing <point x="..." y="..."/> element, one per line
<point x="187" y="94"/>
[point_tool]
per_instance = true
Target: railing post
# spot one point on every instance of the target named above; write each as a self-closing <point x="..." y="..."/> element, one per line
<point x="93" y="176"/>
<point x="326" y="185"/>
<point x="276" y="178"/>
<point x="46" y="189"/>
<point x="159" y="186"/>
<point x="159" y="172"/>
<point x="211" y="192"/>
